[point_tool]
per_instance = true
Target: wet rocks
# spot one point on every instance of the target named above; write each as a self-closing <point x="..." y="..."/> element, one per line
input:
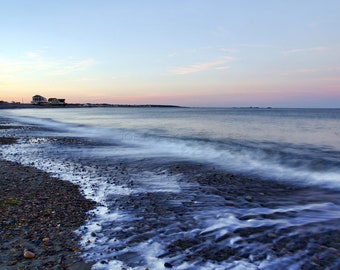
<point x="4" y="140"/>
<point x="38" y="215"/>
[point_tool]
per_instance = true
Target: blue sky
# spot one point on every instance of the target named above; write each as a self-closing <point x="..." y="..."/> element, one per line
<point x="195" y="53"/>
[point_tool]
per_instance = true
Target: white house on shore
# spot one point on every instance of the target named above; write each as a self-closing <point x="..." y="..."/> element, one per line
<point x="38" y="100"/>
<point x="56" y="101"/>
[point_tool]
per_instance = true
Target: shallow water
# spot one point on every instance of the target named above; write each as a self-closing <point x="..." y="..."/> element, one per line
<point x="164" y="179"/>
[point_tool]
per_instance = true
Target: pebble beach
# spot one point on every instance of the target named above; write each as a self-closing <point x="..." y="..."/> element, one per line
<point x="38" y="216"/>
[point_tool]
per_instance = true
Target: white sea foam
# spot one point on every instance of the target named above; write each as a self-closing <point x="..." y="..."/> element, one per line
<point x="160" y="182"/>
<point x="246" y="161"/>
<point x="34" y="153"/>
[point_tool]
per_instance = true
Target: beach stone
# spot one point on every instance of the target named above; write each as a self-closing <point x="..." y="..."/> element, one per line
<point x="28" y="254"/>
<point x="271" y="235"/>
<point x="167" y="265"/>
<point x="46" y="239"/>
<point x="249" y="198"/>
<point x="11" y="263"/>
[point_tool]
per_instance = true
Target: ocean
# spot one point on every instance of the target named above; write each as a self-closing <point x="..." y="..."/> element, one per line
<point x="194" y="188"/>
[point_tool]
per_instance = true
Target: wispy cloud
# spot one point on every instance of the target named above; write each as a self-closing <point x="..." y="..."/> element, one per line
<point x="231" y="51"/>
<point x="217" y="65"/>
<point x="172" y="54"/>
<point x="306" y="70"/>
<point x="86" y="79"/>
<point x="330" y="71"/>
<point x="304" y="50"/>
<point x="300" y="71"/>
<point x="33" y="62"/>
<point x="32" y="55"/>
<point x="221" y="32"/>
<point x="67" y="67"/>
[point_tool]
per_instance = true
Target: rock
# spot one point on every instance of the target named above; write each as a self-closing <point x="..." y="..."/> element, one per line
<point x="333" y="250"/>
<point x="249" y="198"/>
<point x="315" y="259"/>
<point x="11" y="263"/>
<point x="167" y="265"/>
<point x="28" y="254"/>
<point x="46" y="239"/>
<point x="271" y="235"/>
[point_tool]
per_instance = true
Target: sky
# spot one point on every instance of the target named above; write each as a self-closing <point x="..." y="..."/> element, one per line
<point x="279" y="53"/>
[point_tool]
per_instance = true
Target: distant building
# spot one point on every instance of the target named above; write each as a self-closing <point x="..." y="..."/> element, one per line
<point x="38" y="100"/>
<point x="56" y="101"/>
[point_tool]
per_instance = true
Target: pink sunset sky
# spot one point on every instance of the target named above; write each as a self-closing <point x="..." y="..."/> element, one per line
<point x="189" y="53"/>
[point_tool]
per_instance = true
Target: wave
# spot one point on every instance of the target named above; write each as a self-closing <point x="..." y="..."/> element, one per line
<point x="297" y="164"/>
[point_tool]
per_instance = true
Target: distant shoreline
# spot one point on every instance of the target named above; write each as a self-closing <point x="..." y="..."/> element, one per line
<point x="5" y="105"/>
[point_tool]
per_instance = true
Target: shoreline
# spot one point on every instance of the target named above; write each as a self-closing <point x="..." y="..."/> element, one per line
<point x="9" y="106"/>
<point x="39" y="213"/>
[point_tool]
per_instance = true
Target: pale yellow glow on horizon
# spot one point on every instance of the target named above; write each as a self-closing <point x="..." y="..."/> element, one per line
<point x="235" y="94"/>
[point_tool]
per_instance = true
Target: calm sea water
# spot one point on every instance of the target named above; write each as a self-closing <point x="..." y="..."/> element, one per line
<point x="294" y="146"/>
